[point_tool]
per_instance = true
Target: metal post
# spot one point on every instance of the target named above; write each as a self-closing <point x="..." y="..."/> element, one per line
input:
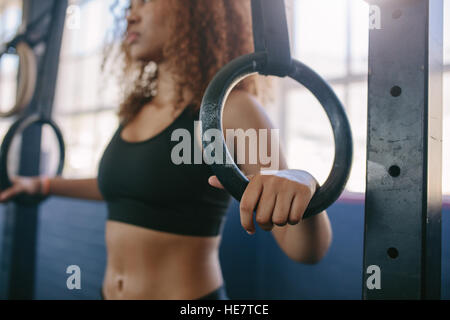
<point x="404" y="152"/>
<point x="18" y="259"/>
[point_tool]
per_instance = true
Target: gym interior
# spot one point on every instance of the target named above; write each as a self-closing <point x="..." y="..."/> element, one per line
<point x="405" y="230"/>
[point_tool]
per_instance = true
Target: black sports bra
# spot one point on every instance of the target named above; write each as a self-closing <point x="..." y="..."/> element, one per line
<point x="142" y="186"/>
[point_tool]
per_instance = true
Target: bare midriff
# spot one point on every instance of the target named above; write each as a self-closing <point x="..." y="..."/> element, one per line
<point x="149" y="264"/>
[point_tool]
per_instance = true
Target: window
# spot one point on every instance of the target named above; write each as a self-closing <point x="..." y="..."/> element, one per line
<point x="11" y="19"/>
<point x="85" y="106"/>
<point x="331" y="36"/>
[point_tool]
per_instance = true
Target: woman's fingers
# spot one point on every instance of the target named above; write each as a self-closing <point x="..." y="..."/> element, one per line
<point x="277" y="199"/>
<point x="265" y="208"/>
<point x="281" y="201"/>
<point x="8" y="193"/>
<point x="280" y="216"/>
<point x="297" y="209"/>
<point x="248" y="203"/>
<point x="213" y="181"/>
<point x="19" y="185"/>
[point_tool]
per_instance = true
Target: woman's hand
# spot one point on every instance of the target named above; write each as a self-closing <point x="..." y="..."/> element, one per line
<point x="29" y="185"/>
<point x="280" y="198"/>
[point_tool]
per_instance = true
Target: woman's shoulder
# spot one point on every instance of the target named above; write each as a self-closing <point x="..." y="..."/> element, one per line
<point x="242" y="97"/>
<point x="243" y="110"/>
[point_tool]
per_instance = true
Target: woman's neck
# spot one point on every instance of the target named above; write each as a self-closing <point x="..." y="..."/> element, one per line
<point x="167" y="89"/>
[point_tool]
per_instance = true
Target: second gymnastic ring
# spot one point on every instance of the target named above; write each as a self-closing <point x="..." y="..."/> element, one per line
<point x="20" y="126"/>
<point x="27" y="79"/>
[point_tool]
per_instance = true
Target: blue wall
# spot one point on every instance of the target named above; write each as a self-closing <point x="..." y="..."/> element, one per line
<point x="254" y="267"/>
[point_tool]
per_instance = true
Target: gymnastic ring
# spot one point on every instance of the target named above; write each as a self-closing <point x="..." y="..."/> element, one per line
<point x="17" y="127"/>
<point x="27" y="79"/>
<point x="233" y="180"/>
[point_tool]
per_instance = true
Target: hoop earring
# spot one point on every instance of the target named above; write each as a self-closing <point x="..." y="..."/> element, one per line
<point x="147" y="82"/>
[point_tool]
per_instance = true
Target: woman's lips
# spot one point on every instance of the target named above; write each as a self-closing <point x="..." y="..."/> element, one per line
<point x="132" y="37"/>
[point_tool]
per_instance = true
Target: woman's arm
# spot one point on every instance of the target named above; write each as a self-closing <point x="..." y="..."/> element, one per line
<point x="305" y="241"/>
<point x="75" y="188"/>
<point x="58" y="186"/>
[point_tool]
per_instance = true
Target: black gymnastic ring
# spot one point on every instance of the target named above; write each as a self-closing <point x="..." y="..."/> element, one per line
<point x="20" y="126"/>
<point x="229" y="174"/>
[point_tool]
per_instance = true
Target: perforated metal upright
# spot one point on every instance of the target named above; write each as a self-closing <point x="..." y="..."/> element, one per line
<point x="404" y="150"/>
<point x="18" y="252"/>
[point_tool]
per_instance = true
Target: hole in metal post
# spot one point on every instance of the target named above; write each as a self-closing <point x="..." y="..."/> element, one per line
<point x="397" y="14"/>
<point x="396" y="91"/>
<point x="392" y="253"/>
<point x="394" y="171"/>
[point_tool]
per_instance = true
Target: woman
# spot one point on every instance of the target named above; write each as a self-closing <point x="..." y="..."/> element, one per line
<point x="164" y="223"/>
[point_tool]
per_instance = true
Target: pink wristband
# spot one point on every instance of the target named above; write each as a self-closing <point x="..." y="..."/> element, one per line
<point x="45" y="185"/>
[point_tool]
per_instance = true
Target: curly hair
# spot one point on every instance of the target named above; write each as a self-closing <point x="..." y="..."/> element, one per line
<point x="206" y="35"/>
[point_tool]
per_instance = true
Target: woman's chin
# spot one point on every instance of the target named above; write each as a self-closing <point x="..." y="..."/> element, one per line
<point x="138" y="54"/>
<point x="144" y="55"/>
